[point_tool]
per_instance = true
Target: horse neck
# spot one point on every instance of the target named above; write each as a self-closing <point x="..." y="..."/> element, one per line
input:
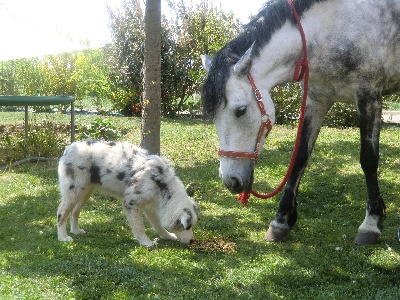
<point x="275" y="64"/>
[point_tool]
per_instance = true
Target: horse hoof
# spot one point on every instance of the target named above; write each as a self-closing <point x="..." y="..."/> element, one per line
<point x="276" y="233"/>
<point x="367" y="238"/>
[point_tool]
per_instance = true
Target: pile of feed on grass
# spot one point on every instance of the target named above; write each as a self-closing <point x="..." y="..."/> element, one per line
<point x="214" y="244"/>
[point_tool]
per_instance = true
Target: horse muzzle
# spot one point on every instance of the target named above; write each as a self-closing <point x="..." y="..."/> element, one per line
<point x="236" y="182"/>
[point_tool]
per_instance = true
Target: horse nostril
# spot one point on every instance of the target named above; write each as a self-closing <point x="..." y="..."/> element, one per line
<point x="234" y="182"/>
<point x="234" y="185"/>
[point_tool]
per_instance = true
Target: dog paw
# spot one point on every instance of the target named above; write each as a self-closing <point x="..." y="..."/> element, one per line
<point x="149" y="243"/>
<point x="78" y="231"/>
<point x="67" y="239"/>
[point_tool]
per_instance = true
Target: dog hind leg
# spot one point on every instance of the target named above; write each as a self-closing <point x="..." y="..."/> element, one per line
<point x="69" y="200"/>
<point x="63" y="212"/>
<point x="75" y="229"/>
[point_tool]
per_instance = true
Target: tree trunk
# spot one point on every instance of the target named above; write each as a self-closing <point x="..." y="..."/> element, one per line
<point x="151" y="121"/>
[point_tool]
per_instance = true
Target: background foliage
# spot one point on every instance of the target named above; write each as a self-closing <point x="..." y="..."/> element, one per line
<point x="197" y="29"/>
<point x="287" y="99"/>
<point x="113" y="74"/>
<point x="82" y="74"/>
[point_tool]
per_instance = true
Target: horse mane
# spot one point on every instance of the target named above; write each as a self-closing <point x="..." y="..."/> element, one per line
<point x="272" y="16"/>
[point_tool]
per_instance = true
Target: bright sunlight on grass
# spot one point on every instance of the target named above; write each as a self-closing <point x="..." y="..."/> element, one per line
<point x="231" y="260"/>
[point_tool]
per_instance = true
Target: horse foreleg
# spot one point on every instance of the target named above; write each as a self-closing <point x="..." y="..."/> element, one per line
<point x="370" y="109"/>
<point x="286" y="216"/>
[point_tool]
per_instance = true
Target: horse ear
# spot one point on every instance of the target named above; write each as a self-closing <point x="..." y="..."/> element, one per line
<point x="244" y="63"/>
<point x="206" y="60"/>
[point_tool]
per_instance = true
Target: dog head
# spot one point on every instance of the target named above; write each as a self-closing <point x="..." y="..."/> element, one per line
<point x="178" y="212"/>
<point x="185" y="217"/>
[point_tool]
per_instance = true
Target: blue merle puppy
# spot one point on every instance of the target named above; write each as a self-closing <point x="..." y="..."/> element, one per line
<point x="145" y="183"/>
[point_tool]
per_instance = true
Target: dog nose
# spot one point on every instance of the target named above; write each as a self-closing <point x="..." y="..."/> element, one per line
<point x="191" y="241"/>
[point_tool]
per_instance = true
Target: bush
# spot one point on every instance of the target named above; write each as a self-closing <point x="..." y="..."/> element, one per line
<point x="44" y="140"/>
<point x="126" y="102"/>
<point x="391" y="102"/>
<point x="199" y="29"/>
<point x="99" y="129"/>
<point x="342" y="115"/>
<point x="287" y="98"/>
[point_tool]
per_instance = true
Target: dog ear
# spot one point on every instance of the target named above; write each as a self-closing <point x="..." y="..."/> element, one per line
<point x="186" y="220"/>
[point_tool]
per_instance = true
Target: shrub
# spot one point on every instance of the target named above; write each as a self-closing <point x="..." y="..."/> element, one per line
<point x="99" y="129"/>
<point x="287" y="98"/>
<point x="126" y="102"/>
<point x="342" y="115"/>
<point x="195" y="30"/>
<point x="44" y="140"/>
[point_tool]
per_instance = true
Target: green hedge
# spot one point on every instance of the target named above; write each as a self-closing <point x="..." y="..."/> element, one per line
<point x="287" y="99"/>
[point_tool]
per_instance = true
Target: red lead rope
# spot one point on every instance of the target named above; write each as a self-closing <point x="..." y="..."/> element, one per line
<point x="301" y="71"/>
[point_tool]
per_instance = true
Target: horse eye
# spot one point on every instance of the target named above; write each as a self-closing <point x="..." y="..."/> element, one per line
<point x="240" y="111"/>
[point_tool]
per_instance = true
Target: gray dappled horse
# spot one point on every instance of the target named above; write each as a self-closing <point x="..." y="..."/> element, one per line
<point x="354" y="56"/>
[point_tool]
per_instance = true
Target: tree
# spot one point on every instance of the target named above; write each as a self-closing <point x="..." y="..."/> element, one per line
<point x="91" y="75"/>
<point x="196" y="30"/>
<point x="152" y="78"/>
<point x="57" y="73"/>
<point x="125" y="54"/>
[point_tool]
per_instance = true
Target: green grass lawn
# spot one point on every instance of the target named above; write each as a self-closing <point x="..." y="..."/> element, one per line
<point x="393" y="106"/>
<point x="231" y="260"/>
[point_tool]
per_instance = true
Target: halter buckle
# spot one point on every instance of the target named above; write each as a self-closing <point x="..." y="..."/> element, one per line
<point x="258" y="95"/>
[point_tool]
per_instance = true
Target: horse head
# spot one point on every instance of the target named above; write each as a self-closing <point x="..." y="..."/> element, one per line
<point x="236" y="114"/>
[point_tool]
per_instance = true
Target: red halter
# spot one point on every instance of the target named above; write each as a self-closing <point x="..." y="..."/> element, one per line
<point x="301" y="71"/>
<point x="264" y="124"/>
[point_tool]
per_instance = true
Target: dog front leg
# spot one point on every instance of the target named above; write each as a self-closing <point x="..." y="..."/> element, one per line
<point x="135" y="220"/>
<point x="155" y="223"/>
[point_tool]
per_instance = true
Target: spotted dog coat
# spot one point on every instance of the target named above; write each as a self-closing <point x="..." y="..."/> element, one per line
<point x="145" y="184"/>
